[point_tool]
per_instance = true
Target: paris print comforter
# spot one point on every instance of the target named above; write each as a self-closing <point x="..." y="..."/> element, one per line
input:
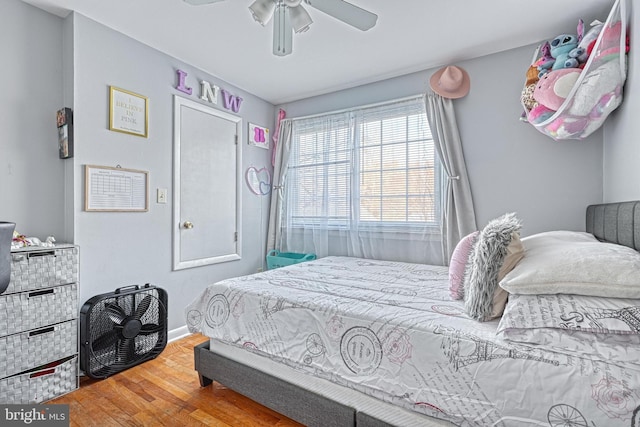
<point x="390" y="330"/>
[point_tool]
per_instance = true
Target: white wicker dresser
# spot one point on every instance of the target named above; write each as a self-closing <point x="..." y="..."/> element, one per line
<point x="38" y="325"/>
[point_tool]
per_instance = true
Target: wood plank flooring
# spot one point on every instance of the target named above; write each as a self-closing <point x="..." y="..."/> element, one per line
<point x="165" y="392"/>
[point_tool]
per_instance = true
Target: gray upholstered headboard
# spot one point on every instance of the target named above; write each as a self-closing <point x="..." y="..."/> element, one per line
<point x="615" y="223"/>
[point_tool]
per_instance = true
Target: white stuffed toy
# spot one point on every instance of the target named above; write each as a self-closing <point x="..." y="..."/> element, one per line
<point x="595" y="84"/>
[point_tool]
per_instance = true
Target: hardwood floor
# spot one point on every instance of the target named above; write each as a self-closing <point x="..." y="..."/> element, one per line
<point x="165" y="392"/>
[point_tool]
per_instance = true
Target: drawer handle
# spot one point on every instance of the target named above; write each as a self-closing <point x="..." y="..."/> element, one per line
<point x="43" y="373"/>
<point x="41" y="253"/>
<point x="17" y="258"/>
<point x="40" y="293"/>
<point x="41" y="331"/>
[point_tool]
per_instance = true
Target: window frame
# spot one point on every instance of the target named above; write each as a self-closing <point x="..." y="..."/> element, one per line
<point x="346" y="222"/>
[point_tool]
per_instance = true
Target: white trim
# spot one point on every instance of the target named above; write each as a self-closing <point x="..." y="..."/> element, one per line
<point x="358" y="107"/>
<point x="180" y="102"/>
<point x="176" y="334"/>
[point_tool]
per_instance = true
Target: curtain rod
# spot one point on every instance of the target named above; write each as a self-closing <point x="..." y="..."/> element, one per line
<point x="345" y="110"/>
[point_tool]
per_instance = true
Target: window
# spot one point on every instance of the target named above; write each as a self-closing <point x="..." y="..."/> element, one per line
<point x="369" y="167"/>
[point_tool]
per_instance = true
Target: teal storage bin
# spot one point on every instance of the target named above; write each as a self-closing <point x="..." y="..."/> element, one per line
<point x="276" y="259"/>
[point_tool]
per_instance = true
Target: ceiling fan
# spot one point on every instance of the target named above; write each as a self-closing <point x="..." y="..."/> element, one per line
<point x="290" y="16"/>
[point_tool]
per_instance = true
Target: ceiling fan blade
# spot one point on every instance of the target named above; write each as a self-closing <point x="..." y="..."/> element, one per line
<point x="346" y="12"/>
<point x="282" y="32"/>
<point x="201" y="2"/>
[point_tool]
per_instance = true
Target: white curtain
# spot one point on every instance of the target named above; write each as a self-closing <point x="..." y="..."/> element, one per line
<point x="362" y="183"/>
<point x="458" y="214"/>
<point x="281" y="160"/>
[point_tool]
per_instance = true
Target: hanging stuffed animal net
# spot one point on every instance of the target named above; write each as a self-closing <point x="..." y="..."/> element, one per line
<point x="576" y="81"/>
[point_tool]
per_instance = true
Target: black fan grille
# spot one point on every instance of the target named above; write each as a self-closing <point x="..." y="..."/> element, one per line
<point x="124" y="331"/>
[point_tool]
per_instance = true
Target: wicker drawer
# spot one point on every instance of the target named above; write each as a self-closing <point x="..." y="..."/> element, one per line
<point x="41" y="384"/>
<point x="21" y="352"/>
<point x="37" y="309"/>
<point x="42" y="268"/>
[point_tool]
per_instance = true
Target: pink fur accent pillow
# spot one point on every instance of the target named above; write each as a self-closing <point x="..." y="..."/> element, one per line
<point x="458" y="264"/>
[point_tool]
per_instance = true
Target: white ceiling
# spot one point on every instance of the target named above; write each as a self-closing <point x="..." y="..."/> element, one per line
<point x="411" y="35"/>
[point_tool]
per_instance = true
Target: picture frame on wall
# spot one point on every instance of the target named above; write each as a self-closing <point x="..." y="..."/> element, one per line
<point x="115" y="189"/>
<point x="258" y="136"/>
<point x="64" y="121"/>
<point x="128" y="112"/>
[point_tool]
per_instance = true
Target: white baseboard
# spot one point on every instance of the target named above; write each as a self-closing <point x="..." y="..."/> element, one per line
<point x="176" y="334"/>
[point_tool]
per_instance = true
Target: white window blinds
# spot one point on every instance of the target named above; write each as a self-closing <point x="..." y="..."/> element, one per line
<point x="368" y="167"/>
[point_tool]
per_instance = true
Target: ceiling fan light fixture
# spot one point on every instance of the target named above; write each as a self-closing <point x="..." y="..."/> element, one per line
<point x="300" y="19"/>
<point x="282" y="32"/>
<point x="262" y="10"/>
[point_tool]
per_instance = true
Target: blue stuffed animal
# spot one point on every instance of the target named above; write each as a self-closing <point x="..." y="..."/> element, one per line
<point x="560" y="48"/>
<point x="545" y="62"/>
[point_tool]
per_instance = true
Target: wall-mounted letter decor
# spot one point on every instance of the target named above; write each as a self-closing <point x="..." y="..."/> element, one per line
<point x="182" y="87"/>
<point x="209" y="92"/>
<point x="231" y="102"/>
<point x="128" y="112"/>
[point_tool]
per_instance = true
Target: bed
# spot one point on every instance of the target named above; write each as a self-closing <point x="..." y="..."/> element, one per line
<point x="352" y="342"/>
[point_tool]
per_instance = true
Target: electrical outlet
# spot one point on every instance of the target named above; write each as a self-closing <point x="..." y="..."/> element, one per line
<point x="162" y="195"/>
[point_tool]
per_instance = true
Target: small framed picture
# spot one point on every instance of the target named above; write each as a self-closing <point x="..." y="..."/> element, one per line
<point x="64" y="121"/>
<point x="258" y="136"/>
<point x="128" y="112"/>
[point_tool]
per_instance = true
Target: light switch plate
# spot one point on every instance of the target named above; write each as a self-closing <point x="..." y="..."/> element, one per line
<point x="162" y="195"/>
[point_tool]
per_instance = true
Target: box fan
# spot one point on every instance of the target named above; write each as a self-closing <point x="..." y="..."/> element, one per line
<point x="121" y="329"/>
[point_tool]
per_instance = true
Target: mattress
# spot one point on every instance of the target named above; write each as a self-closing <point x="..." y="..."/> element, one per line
<point x="390" y="330"/>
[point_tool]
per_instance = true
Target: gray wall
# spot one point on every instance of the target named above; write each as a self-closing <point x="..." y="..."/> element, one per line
<point x="120" y="249"/>
<point x="51" y="63"/>
<point x="31" y="174"/>
<point x="512" y="167"/>
<point x="622" y="131"/>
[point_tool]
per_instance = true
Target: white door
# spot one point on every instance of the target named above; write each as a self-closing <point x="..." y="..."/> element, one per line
<point x="207" y="185"/>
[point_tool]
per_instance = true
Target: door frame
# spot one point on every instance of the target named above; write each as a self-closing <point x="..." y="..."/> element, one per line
<point x="179" y="103"/>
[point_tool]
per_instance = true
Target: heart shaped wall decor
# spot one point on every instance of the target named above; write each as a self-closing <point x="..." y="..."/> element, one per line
<point x="258" y="180"/>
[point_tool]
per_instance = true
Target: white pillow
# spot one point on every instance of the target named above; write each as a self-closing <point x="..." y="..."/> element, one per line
<point x="568" y="262"/>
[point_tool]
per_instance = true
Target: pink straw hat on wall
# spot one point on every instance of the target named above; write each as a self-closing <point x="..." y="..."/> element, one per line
<point x="450" y="82"/>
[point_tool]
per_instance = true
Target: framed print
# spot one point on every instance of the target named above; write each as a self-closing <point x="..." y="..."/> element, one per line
<point x="258" y="136"/>
<point x="115" y="189"/>
<point x="64" y="120"/>
<point x="128" y="112"/>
